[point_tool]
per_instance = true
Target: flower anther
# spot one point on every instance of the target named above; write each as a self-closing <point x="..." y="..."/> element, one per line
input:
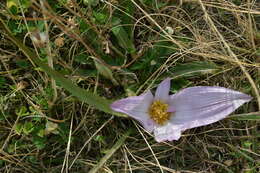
<point x="158" y="112"/>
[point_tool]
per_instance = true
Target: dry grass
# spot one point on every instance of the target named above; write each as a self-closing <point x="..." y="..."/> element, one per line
<point x="226" y="33"/>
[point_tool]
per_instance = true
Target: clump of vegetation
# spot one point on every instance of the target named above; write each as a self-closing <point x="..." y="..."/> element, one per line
<point x="64" y="62"/>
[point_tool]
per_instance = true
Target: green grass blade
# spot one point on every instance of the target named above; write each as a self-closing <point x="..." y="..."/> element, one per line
<point x="105" y="71"/>
<point x="241" y="153"/>
<point x="83" y="95"/>
<point x="193" y="68"/>
<point x="254" y="116"/>
<point x="122" y="37"/>
<point x="117" y="145"/>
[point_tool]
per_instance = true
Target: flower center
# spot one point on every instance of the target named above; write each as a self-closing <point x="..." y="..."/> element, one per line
<point x="158" y="112"/>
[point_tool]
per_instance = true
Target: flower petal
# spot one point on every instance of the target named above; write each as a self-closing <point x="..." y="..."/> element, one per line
<point x="198" y="106"/>
<point x="136" y="107"/>
<point x="167" y="132"/>
<point x="162" y="91"/>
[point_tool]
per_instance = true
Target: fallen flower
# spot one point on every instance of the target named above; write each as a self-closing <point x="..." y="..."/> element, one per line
<point x="169" y="115"/>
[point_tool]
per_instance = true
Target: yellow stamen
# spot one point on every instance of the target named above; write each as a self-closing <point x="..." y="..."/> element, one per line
<point x="158" y="112"/>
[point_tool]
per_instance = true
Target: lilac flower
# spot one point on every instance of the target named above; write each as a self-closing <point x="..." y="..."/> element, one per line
<point x="169" y="115"/>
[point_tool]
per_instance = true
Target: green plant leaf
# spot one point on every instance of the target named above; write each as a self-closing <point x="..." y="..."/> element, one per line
<point x="15" y="5"/>
<point x="126" y="16"/>
<point x="91" y="2"/>
<point x="241" y="153"/>
<point x="83" y="95"/>
<point x="2" y="82"/>
<point x="122" y="36"/>
<point x="101" y="17"/>
<point x="193" y="69"/>
<point x="39" y="142"/>
<point x="254" y="116"/>
<point x="18" y="128"/>
<point x="105" y="71"/>
<point x="21" y="111"/>
<point x="111" y="151"/>
<point x="28" y="128"/>
<point x="155" y="55"/>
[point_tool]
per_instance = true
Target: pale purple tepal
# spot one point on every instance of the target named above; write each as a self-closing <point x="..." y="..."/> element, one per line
<point x="169" y="115"/>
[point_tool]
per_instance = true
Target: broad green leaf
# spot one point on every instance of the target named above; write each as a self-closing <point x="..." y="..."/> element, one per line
<point x="193" y="69"/>
<point x="83" y="95"/>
